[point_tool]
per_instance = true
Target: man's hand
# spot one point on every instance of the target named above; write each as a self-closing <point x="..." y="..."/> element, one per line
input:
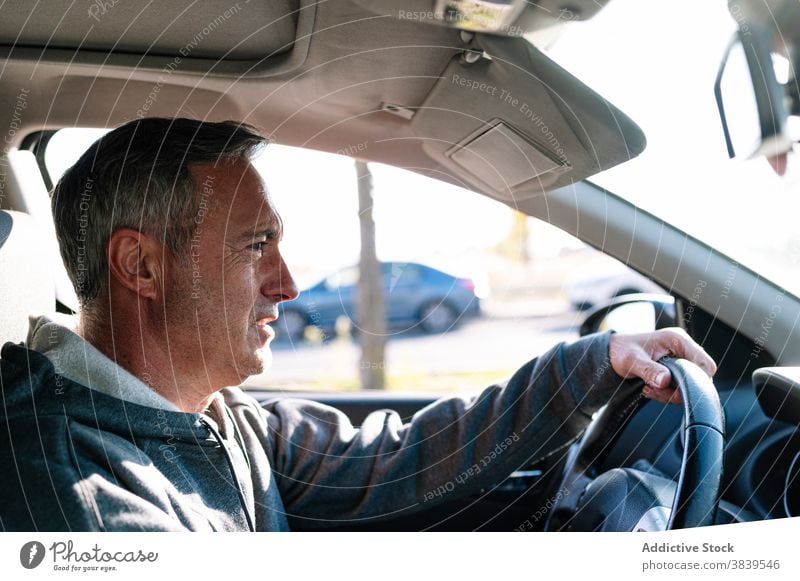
<point x="637" y="356"/>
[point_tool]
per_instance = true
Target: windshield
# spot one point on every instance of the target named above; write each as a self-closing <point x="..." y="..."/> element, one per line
<point x="658" y="64"/>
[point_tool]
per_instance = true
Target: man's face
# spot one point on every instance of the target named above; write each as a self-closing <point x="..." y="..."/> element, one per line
<point x="219" y="302"/>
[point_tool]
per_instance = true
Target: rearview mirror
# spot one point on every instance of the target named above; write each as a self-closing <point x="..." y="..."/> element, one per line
<point x="499" y="17"/>
<point x="751" y="101"/>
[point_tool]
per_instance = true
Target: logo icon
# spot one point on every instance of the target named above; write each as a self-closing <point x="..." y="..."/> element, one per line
<point x="31" y="554"/>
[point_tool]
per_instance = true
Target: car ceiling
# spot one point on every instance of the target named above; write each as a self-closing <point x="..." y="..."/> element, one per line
<point x="312" y="74"/>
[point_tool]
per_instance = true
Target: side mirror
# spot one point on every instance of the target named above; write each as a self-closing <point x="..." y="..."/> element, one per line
<point x="752" y="103"/>
<point x="635" y="313"/>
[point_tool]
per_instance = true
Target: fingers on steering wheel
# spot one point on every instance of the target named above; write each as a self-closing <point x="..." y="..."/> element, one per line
<point x="658" y="383"/>
<point x="654" y="374"/>
<point x="681" y="345"/>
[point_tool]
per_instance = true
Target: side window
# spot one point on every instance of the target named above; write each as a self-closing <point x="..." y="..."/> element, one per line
<point x="66" y="146"/>
<point x="404" y="275"/>
<point x="469" y="295"/>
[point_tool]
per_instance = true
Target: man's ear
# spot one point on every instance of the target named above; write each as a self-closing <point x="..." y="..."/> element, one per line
<point x="136" y="262"/>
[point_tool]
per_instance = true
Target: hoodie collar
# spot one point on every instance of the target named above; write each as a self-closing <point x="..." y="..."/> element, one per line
<point x="73" y="357"/>
<point x="31" y="387"/>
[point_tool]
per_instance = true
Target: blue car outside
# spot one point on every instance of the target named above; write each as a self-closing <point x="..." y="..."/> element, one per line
<point x="417" y="297"/>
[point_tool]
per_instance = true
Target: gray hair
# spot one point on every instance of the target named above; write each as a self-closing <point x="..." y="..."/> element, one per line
<point x="137" y="176"/>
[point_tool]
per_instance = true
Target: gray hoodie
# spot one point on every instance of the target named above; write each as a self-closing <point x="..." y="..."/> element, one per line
<point x="86" y="446"/>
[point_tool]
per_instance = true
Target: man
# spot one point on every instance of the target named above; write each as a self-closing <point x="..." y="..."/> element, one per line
<point x="125" y="422"/>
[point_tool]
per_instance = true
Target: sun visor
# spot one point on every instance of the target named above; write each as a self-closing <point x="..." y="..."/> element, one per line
<point x="212" y="29"/>
<point x="514" y="124"/>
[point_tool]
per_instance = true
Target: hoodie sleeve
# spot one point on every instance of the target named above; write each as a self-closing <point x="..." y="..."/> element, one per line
<point x="329" y="472"/>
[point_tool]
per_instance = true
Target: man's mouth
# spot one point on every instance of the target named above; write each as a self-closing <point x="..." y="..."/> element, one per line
<point x="262" y="324"/>
<point x="265" y="320"/>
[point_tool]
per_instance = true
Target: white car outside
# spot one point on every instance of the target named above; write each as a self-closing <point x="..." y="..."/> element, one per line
<point x="603" y="283"/>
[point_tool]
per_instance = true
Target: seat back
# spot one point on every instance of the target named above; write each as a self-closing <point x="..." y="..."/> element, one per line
<point x="26" y="281"/>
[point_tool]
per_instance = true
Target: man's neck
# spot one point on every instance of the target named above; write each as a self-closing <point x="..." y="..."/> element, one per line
<point x="148" y="359"/>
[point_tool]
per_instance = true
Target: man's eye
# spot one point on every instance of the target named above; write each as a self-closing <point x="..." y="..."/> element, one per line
<point x="259" y="246"/>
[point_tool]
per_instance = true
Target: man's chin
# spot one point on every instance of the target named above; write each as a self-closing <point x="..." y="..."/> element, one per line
<point x="264" y="359"/>
<point x="258" y="361"/>
<point x="254" y="363"/>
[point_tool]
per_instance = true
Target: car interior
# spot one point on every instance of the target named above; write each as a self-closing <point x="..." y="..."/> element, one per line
<point x="463" y="92"/>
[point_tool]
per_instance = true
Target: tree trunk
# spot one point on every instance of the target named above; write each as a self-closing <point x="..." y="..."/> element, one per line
<point x="371" y="311"/>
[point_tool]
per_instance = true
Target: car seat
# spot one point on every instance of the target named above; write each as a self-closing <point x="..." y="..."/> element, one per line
<point x="26" y="283"/>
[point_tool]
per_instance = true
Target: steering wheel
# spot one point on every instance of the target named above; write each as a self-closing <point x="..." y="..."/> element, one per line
<point x="627" y="499"/>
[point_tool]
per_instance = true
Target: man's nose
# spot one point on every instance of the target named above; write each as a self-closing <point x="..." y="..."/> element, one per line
<point x="281" y="287"/>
